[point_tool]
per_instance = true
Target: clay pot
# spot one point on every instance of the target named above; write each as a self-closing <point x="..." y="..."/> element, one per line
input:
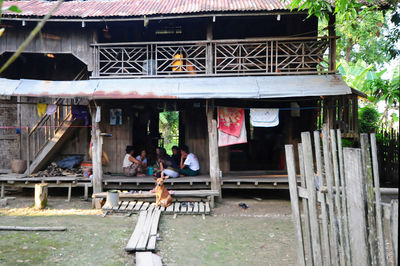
<point x="18" y="166"/>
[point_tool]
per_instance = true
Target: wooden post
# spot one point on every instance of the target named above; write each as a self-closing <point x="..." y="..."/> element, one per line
<point x="369" y="189"/>
<point x="294" y="198"/>
<point x="41" y="193"/>
<point x="307" y="237"/>
<point x="324" y="212"/>
<point x="209" y="55"/>
<point x="312" y="198"/>
<point x="213" y="151"/>
<point x="2" y="190"/>
<point x="394" y="228"/>
<point x="332" y="42"/>
<point x="96" y="155"/>
<point x="28" y="151"/>
<point x="381" y="239"/>
<point x="356" y="206"/>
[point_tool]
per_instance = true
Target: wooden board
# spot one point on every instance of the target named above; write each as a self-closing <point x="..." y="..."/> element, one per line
<point x="147" y="259"/>
<point x="131" y="206"/>
<point x="123" y="206"/>
<point x="115" y="208"/>
<point x="183" y="207"/>
<point x="170" y="208"/>
<point x="196" y="207"/>
<point x="132" y="243"/>
<point x="201" y="207"/>
<point x="145" y="206"/>
<point x="138" y="205"/>
<point x="151" y="245"/>
<point x="207" y="207"/>
<point x="176" y="207"/>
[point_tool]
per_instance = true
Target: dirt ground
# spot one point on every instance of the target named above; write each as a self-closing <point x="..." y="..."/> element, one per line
<point x="260" y="235"/>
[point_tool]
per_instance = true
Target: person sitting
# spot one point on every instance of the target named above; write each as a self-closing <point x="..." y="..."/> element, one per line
<point x="142" y="158"/>
<point x="130" y="164"/>
<point x="176" y="155"/>
<point x="189" y="163"/>
<point x="168" y="168"/>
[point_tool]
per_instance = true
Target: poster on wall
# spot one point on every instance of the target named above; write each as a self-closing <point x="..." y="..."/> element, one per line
<point x="115" y="116"/>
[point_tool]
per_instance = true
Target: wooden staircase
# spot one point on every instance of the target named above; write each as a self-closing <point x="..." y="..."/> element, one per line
<point x="48" y="135"/>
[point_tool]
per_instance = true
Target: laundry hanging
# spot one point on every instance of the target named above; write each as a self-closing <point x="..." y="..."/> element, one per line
<point x="264" y="117"/>
<point x="51" y="109"/>
<point x="225" y="139"/>
<point x="41" y="109"/>
<point x="230" y="120"/>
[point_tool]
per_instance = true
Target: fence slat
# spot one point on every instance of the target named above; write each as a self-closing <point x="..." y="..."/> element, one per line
<point x="307" y="237"/>
<point x="337" y="194"/>
<point x="312" y="198"/>
<point x="329" y="181"/>
<point x="325" y="231"/>
<point x="344" y="198"/>
<point x="356" y="206"/>
<point x="294" y="198"/>
<point x="394" y="228"/>
<point x="379" y="224"/>
<point x="366" y="157"/>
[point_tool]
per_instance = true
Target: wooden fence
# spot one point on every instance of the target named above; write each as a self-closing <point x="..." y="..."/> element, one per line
<point x="342" y="220"/>
<point x="388" y="156"/>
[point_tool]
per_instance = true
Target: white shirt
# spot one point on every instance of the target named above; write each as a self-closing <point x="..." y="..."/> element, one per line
<point x="192" y="162"/>
<point x="126" y="162"/>
<point x="144" y="160"/>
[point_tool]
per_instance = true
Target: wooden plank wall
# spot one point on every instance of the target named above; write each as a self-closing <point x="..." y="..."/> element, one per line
<point x="196" y="135"/>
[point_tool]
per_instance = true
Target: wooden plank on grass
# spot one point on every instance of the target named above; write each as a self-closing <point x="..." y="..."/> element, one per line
<point x="207" y="207"/>
<point x="201" y="207"/>
<point x="123" y="205"/>
<point x="196" y="207"/>
<point x="115" y="208"/>
<point x="133" y="240"/>
<point x="176" y="207"/>
<point x="183" y="207"/>
<point x="394" y="227"/>
<point x="190" y="207"/>
<point x="23" y="228"/>
<point x="145" y="206"/>
<point x="138" y="206"/>
<point x="356" y="206"/>
<point x="153" y="231"/>
<point x="170" y="208"/>
<point x="144" y="237"/>
<point x="152" y="206"/>
<point x="147" y="259"/>
<point x="294" y="198"/>
<point x="131" y="206"/>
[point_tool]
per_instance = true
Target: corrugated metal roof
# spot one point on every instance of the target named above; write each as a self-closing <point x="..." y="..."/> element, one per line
<point x="128" y="8"/>
<point x="184" y="88"/>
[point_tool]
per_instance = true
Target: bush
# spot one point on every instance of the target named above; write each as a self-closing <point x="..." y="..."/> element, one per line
<point x="368" y="118"/>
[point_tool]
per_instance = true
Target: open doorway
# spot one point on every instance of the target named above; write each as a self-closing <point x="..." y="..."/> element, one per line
<point x="169" y="130"/>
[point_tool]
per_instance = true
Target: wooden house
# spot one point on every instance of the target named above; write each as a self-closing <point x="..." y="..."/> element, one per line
<point x="191" y="56"/>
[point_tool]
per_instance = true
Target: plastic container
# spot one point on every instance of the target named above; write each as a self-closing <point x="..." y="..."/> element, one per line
<point x="151" y="171"/>
<point x="87" y="169"/>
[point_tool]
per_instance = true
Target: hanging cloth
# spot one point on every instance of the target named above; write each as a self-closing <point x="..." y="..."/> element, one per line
<point x="51" y="109"/>
<point x="41" y="109"/>
<point x="80" y="112"/>
<point x="230" y="120"/>
<point x="225" y="139"/>
<point x="268" y="117"/>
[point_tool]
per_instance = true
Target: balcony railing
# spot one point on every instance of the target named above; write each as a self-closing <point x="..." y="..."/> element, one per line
<point x="301" y="55"/>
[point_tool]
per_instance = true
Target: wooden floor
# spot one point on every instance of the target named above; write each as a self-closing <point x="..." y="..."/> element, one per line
<point x="185" y="207"/>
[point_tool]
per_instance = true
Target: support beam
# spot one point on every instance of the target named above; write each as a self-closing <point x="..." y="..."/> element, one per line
<point x="96" y="155"/>
<point x="332" y="42"/>
<point x="209" y="63"/>
<point x="213" y="151"/>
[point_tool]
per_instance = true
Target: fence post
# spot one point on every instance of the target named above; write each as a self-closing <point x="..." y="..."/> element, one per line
<point x="344" y="197"/>
<point x="338" y="194"/>
<point x="381" y="239"/>
<point x="366" y="157"/>
<point x="329" y="181"/>
<point x="291" y="168"/>
<point x="312" y="198"/>
<point x="356" y="206"/>
<point x="325" y="231"/>
<point x="394" y="228"/>
<point x="305" y="205"/>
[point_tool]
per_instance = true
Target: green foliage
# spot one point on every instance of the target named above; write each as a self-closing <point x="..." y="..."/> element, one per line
<point x="14" y="9"/>
<point x="368" y="118"/>
<point x="348" y="143"/>
<point x="169" y="129"/>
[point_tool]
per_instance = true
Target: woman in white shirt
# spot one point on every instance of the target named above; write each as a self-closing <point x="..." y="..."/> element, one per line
<point x="130" y="164"/>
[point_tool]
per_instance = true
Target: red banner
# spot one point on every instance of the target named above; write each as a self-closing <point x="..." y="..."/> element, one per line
<point x="230" y="120"/>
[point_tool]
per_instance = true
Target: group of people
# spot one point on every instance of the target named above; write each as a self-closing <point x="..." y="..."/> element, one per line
<point x="181" y="162"/>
